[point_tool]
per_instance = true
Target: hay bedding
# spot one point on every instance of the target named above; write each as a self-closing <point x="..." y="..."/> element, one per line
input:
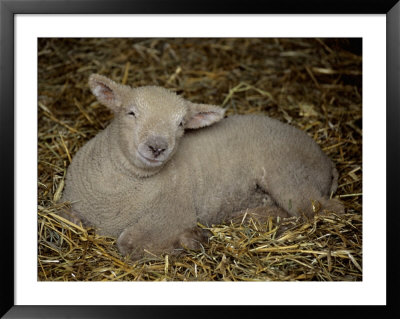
<point x="314" y="84"/>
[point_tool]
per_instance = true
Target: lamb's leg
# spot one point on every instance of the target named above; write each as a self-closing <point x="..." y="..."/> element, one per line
<point x="309" y="203"/>
<point x="134" y="243"/>
<point x="193" y="238"/>
<point x="302" y="200"/>
<point x="331" y="205"/>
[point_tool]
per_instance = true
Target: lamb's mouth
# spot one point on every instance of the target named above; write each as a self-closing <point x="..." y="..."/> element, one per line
<point x="149" y="161"/>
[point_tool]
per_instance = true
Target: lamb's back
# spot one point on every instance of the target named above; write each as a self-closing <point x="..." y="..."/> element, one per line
<point x="226" y="163"/>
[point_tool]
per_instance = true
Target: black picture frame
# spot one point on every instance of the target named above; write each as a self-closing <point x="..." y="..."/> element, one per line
<point x="8" y="10"/>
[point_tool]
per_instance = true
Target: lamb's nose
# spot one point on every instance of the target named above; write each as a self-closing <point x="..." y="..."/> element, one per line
<point x="157" y="145"/>
<point x="156" y="151"/>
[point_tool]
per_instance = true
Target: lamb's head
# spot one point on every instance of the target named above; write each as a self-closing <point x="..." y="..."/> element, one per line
<point x="150" y="120"/>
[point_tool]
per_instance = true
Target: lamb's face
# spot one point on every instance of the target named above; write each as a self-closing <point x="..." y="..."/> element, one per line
<point x="150" y="120"/>
<point x="150" y="124"/>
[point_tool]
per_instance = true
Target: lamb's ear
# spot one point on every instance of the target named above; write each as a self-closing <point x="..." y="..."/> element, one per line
<point x="106" y="91"/>
<point x="201" y="115"/>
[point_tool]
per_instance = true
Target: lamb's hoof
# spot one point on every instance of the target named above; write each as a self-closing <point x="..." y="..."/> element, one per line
<point x="127" y="247"/>
<point x="70" y="215"/>
<point x="193" y="238"/>
<point x="334" y="205"/>
<point x="327" y="206"/>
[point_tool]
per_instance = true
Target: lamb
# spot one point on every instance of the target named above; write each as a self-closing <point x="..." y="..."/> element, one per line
<point x="141" y="181"/>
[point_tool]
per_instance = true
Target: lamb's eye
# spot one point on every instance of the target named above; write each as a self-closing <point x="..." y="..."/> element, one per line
<point x="181" y="124"/>
<point x="132" y="113"/>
